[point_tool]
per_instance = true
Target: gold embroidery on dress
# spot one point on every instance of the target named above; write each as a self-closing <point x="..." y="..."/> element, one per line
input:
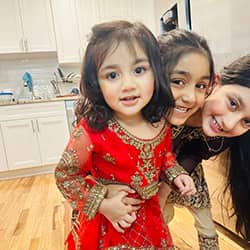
<point x="90" y="147"/>
<point x="109" y="158"/>
<point x="148" y="191"/>
<point x="96" y="195"/>
<point x="147" y="166"/>
<point x="144" y="192"/>
<point x="136" y="180"/>
<point x="189" y="135"/>
<point x="78" y="132"/>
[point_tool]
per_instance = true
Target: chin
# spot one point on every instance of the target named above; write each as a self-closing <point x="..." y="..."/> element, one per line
<point x="177" y="122"/>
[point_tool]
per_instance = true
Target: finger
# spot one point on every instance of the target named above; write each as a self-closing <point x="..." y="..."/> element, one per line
<point x="131" y="209"/>
<point x="130" y="218"/>
<point x="179" y="184"/>
<point x="131" y="201"/>
<point x="117" y="227"/>
<point x="124" y="223"/>
<point x="127" y="189"/>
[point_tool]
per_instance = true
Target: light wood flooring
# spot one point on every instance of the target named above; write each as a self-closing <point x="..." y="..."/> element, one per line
<point x="34" y="216"/>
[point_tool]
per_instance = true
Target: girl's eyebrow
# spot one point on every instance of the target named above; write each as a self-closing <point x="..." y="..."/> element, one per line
<point x="141" y="60"/>
<point x="111" y="66"/>
<point x="186" y="73"/>
<point x="240" y="100"/>
<point x="114" y="66"/>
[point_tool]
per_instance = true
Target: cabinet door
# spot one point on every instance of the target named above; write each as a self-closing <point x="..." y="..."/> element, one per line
<point x="37" y="25"/>
<point x="21" y="143"/>
<point x="88" y="15"/>
<point x="53" y="134"/>
<point x="3" y="161"/>
<point x="115" y="9"/>
<point x="67" y="31"/>
<point x="10" y="27"/>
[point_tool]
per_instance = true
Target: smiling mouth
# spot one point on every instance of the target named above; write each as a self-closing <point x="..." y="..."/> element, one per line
<point x="215" y="125"/>
<point x="181" y="109"/>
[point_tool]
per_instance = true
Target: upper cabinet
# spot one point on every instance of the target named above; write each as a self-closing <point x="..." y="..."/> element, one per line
<point x="26" y="26"/>
<point x="73" y="20"/>
<point x="67" y="31"/>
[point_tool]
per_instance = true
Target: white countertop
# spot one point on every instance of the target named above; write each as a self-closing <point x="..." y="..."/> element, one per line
<point x="56" y="99"/>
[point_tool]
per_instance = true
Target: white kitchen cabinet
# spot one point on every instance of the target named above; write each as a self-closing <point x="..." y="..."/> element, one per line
<point x="20" y="139"/>
<point x="67" y="31"/>
<point x="90" y="13"/>
<point x="34" y="134"/>
<point x="26" y="26"/>
<point x="3" y="161"/>
<point x="115" y="9"/>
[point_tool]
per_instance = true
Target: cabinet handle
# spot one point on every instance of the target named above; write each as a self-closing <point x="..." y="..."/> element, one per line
<point x="37" y="125"/>
<point x="26" y="45"/>
<point x="22" y="45"/>
<point x="33" y="128"/>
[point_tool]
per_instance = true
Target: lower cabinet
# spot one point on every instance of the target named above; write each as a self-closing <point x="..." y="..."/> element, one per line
<point x="37" y="139"/>
<point x="3" y="161"/>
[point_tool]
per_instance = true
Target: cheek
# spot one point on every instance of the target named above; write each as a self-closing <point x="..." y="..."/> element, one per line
<point x="176" y="93"/>
<point x="238" y="131"/>
<point x="149" y="89"/>
<point x="200" y="100"/>
<point x="214" y="107"/>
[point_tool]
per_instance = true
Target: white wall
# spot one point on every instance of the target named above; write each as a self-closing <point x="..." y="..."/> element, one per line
<point x="225" y="24"/>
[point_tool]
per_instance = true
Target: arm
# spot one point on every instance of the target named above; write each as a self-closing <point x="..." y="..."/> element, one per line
<point x="71" y="173"/>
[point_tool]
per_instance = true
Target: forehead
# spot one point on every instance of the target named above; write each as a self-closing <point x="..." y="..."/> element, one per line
<point x="193" y="62"/>
<point x="124" y="51"/>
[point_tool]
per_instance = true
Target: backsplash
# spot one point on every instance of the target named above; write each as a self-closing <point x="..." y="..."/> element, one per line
<point x="41" y="66"/>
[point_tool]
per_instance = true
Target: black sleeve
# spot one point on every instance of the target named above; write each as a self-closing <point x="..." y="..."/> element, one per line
<point x="194" y="151"/>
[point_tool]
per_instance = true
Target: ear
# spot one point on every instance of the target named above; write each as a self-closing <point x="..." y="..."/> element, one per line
<point x="213" y="85"/>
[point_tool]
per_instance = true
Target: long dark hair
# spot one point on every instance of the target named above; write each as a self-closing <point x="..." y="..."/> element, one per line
<point x="238" y="181"/>
<point x="178" y="42"/>
<point x="106" y="36"/>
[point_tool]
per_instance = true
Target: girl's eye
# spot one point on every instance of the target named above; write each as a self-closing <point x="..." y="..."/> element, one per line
<point x="247" y="122"/>
<point x="177" y="82"/>
<point x="139" y="70"/>
<point x="233" y="104"/>
<point x="201" y="86"/>
<point x="112" y="75"/>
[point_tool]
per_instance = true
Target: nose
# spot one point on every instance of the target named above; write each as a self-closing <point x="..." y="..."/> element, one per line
<point x="128" y="83"/>
<point x="189" y="95"/>
<point x="231" y="120"/>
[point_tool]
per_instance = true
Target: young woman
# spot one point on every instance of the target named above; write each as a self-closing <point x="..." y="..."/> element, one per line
<point x="121" y="137"/>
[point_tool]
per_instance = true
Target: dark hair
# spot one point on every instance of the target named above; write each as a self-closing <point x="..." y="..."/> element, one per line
<point x="106" y="36"/>
<point x="178" y="42"/>
<point x="238" y="72"/>
<point x="238" y="181"/>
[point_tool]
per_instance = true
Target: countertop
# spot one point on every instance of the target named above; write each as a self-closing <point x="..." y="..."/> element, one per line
<point x="56" y="99"/>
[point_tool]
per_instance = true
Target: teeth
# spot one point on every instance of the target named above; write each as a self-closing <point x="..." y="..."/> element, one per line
<point x="181" y="109"/>
<point x="216" y="124"/>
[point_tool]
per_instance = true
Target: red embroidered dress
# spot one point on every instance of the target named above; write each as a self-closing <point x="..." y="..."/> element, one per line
<point x="92" y="159"/>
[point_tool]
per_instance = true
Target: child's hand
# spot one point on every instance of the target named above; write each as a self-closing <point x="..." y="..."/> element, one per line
<point x="163" y="194"/>
<point x="127" y="220"/>
<point x="114" y="189"/>
<point x="185" y="184"/>
<point x="115" y="210"/>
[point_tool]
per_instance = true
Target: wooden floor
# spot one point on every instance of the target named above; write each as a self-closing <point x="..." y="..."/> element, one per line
<point x="34" y="216"/>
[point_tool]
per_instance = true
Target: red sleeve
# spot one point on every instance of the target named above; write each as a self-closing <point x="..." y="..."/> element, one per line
<point x="73" y="174"/>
